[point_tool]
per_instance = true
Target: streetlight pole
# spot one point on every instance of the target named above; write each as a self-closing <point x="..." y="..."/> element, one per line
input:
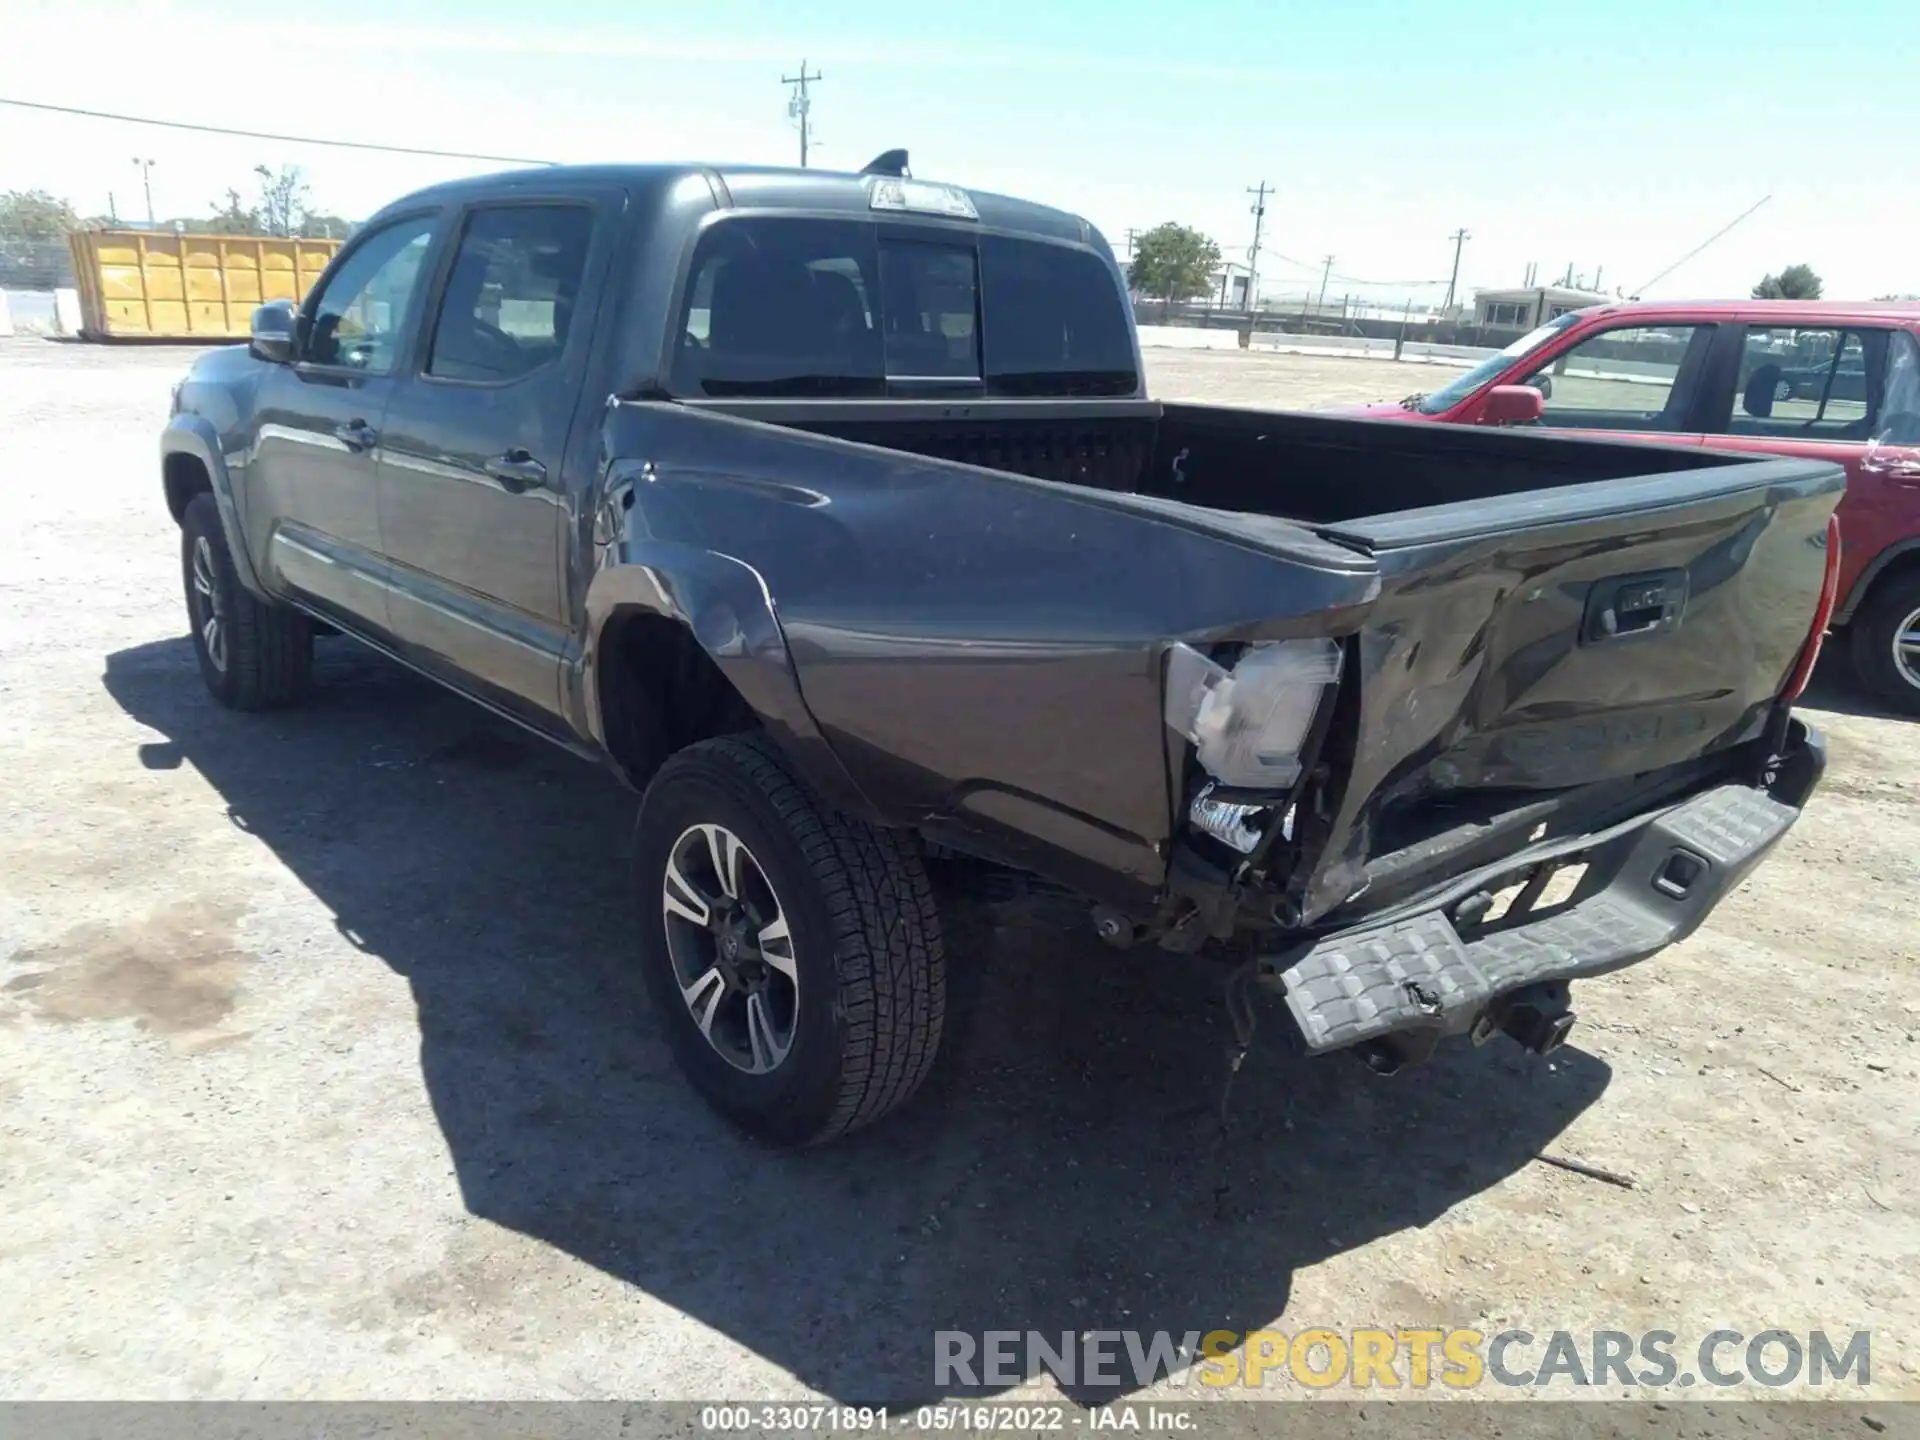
<point x="146" y="180"/>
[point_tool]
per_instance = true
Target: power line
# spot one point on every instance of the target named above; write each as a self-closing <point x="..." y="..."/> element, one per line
<point x="1315" y="268"/>
<point x="269" y="135"/>
<point x="800" y="106"/>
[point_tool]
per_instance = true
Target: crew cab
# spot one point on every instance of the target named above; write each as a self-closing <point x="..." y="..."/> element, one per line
<point x="1812" y="379"/>
<point x="831" y="512"/>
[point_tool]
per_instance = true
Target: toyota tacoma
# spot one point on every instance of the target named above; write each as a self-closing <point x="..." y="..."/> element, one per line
<point x="832" y="513"/>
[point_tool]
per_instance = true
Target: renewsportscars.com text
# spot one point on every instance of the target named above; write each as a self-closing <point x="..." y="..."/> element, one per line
<point x="1415" y="1359"/>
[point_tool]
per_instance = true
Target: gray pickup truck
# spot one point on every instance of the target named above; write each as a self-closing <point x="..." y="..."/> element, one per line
<point x="832" y="513"/>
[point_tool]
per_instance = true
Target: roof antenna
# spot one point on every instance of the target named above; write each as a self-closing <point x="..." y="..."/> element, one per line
<point x="893" y="162"/>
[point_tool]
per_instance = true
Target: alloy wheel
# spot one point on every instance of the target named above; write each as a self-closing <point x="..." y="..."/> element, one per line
<point x="209" y="610"/>
<point x="1906" y="649"/>
<point x="731" y="948"/>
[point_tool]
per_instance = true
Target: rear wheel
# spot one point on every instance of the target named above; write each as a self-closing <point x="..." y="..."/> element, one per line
<point x="793" y="955"/>
<point x="253" y="656"/>
<point x="1886" y="642"/>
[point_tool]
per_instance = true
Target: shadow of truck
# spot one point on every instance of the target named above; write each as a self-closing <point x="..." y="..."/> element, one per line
<point x="1054" y="1176"/>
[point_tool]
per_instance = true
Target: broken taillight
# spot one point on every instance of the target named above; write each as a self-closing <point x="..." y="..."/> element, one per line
<point x="1822" y="616"/>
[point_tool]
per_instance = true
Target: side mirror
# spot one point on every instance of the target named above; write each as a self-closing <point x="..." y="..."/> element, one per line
<point x="275" y="332"/>
<point x="1512" y="405"/>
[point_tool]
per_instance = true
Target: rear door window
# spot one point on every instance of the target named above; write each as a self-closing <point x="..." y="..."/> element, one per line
<point x="811" y="308"/>
<point x="1806" y="382"/>
<point x="511" y="295"/>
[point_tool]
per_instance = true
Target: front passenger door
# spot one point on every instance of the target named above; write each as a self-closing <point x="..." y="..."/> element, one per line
<point x="312" y="507"/>
<point x="472" y="503"/>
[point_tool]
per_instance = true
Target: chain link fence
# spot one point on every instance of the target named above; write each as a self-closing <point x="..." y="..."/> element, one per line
<point x="34" y="264"/>
<point x="31" y="269"/>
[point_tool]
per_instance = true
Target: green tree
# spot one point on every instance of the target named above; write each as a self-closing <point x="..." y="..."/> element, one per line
<point x="1172" y="262"/>
<point x="232" y="217"/>
<point x="283" y="198"/>
<point x="1796" y="282"/>
<point x="36" y="215"/>
<point x="325" y="226"/>
<point x="283" y="206"/>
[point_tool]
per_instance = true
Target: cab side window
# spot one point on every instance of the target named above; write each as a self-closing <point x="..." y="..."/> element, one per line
<point x="511" y="294"/>
<point x="355" y="320"/>
<point x="1641" y="377"/>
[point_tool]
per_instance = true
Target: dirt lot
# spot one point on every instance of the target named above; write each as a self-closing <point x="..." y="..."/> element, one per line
<point x="320" y="1074"/>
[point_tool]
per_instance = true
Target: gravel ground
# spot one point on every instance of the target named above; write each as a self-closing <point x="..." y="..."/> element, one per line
<point x="320" y="1075"/>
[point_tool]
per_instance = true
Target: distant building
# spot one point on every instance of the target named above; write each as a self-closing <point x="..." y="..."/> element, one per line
<point x="1535" y="305"/>
<point x="1230" y="282"/>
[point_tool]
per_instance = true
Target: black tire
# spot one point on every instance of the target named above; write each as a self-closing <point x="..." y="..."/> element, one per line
<point x="261" y="655"/>
<point x="869" y="986"/>
<point x="1892" y="608"/>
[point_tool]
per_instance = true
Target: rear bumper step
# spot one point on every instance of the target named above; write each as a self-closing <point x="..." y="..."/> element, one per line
<point x="1648" y="884"/>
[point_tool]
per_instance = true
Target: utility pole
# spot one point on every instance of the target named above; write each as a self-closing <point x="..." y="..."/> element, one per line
<point x="146" y="177"/>
<point x="1459" y="238"/>
<point x="1325" y="271"/>
<point x="1133" y="236"/>
<point x="800" y="105"/>
<point x="1259" y="193"/>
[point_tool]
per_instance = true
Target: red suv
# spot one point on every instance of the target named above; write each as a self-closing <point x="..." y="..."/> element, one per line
<point x="1786" y="377"/>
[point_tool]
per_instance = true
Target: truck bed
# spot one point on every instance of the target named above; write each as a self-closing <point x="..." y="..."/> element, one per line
<point x="986" y="653"/>
<point x="1314" y="469"/>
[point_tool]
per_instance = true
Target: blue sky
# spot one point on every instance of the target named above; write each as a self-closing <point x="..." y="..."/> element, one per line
<point x="1613" y="136"/>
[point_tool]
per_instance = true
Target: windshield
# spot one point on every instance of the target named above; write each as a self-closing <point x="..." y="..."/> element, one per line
<point x="803" y="307"/>
<point x="1452" y="393"/>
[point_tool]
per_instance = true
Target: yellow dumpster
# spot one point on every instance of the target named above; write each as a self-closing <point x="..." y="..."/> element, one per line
<point x="159" y="285"/>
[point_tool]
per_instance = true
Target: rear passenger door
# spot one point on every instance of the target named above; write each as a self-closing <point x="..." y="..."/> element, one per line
<point x="1816" y="392"/>
<point x="472" y="505"/>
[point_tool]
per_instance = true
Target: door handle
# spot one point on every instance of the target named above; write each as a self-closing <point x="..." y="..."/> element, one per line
<point x="517" y="471"/>
<point x="355" y="435"/>
<point x="1896" y="462"/>
<point x="1902" y="470"/>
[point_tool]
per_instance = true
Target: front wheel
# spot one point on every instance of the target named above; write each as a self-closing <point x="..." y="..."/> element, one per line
<point x="793" y="954"/>
<point x="1886" y="643"/>
<point x="253" y="655"/>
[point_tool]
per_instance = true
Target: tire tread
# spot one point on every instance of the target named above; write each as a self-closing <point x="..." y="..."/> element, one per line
<point x="269" y="647"/>
<point x="886" y="933"/>
<point x="1892" y="599"/>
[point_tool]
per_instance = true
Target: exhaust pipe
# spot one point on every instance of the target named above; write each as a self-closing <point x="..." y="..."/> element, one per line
<point x="1538" y="1017"/>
